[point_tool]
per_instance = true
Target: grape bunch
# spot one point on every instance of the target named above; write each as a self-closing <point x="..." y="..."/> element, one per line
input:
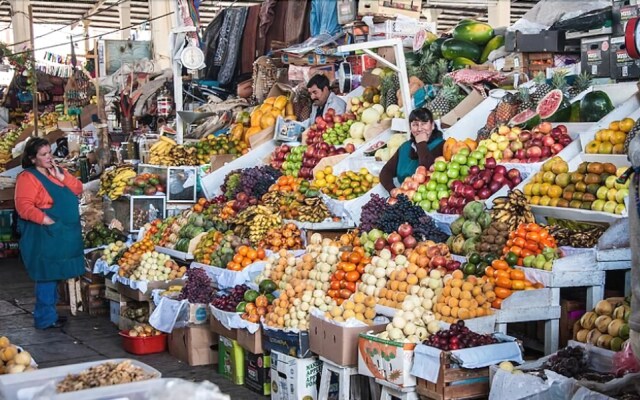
<point x="404" y="211"/>
<point x="371" y="212"/>
<point x="198" y="287"/>
<point x="256" y="181"/>
<point x="458" y="336"/>
<point x="231" y="184"/>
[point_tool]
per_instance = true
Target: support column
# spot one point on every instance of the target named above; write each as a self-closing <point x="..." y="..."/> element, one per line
<point x="160" y="31"/>
<point x="20" y="24"/>
<point x="125" y="19"/>
<point x="432" y="14"/>
<point x="499" y="12"/>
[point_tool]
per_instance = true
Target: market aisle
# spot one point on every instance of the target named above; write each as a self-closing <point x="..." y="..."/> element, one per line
<point x="84" y="338"/>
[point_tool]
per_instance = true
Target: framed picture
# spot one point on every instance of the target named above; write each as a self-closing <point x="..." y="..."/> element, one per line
<point x="144" y="209"/>
<point x="182" y="184"/>
<point x="113" y="54"/>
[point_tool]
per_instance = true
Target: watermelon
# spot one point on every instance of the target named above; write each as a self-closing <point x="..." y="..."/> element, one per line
<point x="494" y="44"/>
<point x="554" y="107"/>
<point x="454" y="48"/>
<point x="474" y="32"/>
<point x="594" y="106"/>
<point x="526" y="119"/>
<point x="436" y="47"/>
<point x="575" y="111"/>
<point x="461" y="63"/>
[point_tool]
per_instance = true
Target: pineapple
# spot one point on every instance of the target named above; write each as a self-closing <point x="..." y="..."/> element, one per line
<point x="445" y="100"/>
<point x="582" y="83"/>
<point x="432" y="75"/>
<point x="443" y="68"/>
<point x="483" y="134"/>
<point x="525" y="99"/>
<point x="389" y="87"/>
<point x="559" y="81"/>
<point x="542" y="88"/>
<point x="302" y="104"/>
<point x="507" y="108"/>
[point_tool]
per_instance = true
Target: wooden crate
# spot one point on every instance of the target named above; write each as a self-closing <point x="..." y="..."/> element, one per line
<point x="455" y="382"/>
<point x="93" y="300"/>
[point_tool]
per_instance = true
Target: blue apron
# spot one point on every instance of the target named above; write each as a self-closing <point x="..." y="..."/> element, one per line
<point x="53" y="252"/>
<point x="407" y="166"/>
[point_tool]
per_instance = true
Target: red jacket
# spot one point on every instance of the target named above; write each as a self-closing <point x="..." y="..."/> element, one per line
<point x="31" y="197"/>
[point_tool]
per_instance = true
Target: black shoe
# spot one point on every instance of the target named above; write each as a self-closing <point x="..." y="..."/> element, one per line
<point x="55" y="325"/>
<point x="62" y="319"/>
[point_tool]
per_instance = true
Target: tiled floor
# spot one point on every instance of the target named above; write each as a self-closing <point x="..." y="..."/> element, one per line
<point x="84" y="338"/>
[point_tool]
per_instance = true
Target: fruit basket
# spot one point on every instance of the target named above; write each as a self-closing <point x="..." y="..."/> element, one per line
<point x="143" y="345"/>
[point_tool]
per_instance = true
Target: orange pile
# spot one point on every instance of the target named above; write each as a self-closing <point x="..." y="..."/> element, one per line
<point x="286" y="184"/>
<point x="399" y="285"/>
<point x="506" y="280"/>
<point x="528" y="240"/>
<point x="464" y="298"/>
<point x="244" y="257"/>
<point x="349" y="272"/>
<point x="131" y="257"/>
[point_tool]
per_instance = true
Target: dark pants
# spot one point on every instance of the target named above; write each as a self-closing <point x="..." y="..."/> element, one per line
<point x="45" y="313"/>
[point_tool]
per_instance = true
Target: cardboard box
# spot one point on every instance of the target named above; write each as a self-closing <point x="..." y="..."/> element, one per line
<point x="623" y="66"/>
<point x="336" y="343"/>
<point x="293" y="344"/>
<point x="388" y="53"/>
<point x="545" y="41"/>
<point x="231" y="360"/>
<point x="194" y="345"/>
<point x="257" y="373"/>
<point x="216" y="327"/>
<point x="621" y="13"/>
<point x="595" y="56"/>
<point x="219" y="161"/>
<point x="114" y="311"/>
<point x="469" y="103"/>
<point x="252" y="342"/>
<point x="385" y="359"/>
<point x="294" y="378"/>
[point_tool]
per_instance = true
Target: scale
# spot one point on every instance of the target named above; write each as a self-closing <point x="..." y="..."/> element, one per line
<point x="192" y="57"/>
<point x="632" y="38"/>
<point x="345" y="77"/>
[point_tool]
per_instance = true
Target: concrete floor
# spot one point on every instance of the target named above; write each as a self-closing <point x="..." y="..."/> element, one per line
<point x="84" y="338"/>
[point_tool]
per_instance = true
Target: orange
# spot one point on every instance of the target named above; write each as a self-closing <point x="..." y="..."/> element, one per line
<point x="252" y="254"/>
<point x="502" y="293"/>
<point x="242" y="250"/>
<point x="626" y="125"/>
<point x="352" y="276"/>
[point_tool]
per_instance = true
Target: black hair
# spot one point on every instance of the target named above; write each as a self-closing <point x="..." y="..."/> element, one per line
<point x="424" y="115"/>
<point x="31" y="151"/>
<point x="319" y="80"/>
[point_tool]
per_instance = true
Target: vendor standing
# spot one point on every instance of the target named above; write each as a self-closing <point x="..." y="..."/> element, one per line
<point x="423" y="147"/>
<point x="323" y="98"/>
<point x="51" y="246"/>
<point x="634" y="237"/>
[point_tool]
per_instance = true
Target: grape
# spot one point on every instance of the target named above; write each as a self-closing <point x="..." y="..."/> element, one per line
<point x="254" y="182"/>
<point x="371" y="212"/>
<point x="198" y="287"/>
<point x="404" y="211"/>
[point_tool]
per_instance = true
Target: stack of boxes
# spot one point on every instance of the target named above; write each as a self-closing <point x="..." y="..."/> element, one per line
<point x="622" y="66"/>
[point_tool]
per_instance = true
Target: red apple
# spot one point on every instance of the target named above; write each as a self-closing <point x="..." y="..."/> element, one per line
<point x="409" y="242"/>
<point x="397" y="248"/>
<point x="405" y="230"/>
<point x="394" y="237"/>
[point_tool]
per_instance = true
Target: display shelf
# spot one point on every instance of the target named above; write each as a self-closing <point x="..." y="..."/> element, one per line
<point x="178" y="255"/>
<point x="630" y="109"/>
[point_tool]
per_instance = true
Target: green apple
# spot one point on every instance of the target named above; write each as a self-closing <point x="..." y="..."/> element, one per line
<point x="442" y="194"/>
<point x="478" y="155"/>
<point x="440" y="166"/>
<point x="454" y="165"/>
<point x="417" y="198"/>
<point x="528" y="261"/>
<point x="482" y="149"/>
<point x="610" y="207"/>
<point x="610" y="182"/>
<point x="422" y="189"/>
<point x="441" y="187"/>
<point x="471" y="162"/>
<point x="611" y="194"/>
<point x="602" y="193"/>
<point x="619" y="209"/>
<point x="598" y="205"/>
<point x="425" y="205"/>
<point x="460" y="159"/>
<point x="435" y="205"/>
<point x="620" y="196"/>
<point x="432" y="195"/>
<point x="454" y="173"/>
<point x="539" y="261"/>
<point x="432" y="184"/>
<point x="464" y="170"/>
<point x="443" y="178"/>
<point x="464" y="151"/>
<point x="548" y="266"/>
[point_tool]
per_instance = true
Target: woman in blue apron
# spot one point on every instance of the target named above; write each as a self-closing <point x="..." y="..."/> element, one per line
<point x="51" y="246"/>
<point x="422" y="148"/>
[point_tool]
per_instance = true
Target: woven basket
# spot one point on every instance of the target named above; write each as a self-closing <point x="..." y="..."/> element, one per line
<point x="265" y="75"/>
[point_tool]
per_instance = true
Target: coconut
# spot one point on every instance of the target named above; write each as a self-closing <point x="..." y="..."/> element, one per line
<point x="604" y="308"/>
<point x="593" y="335"/>
<point x="588" y="320"/>
<point x="581" y="336"/>
<point x="602" y="323"/>
<point x="614" y="327"/>
<point x="604" y="341"/>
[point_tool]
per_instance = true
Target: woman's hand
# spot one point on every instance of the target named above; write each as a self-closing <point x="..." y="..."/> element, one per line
<point x="47" y="220"/>
<point x="56" y="172"/>
<point x="422" y="137"/>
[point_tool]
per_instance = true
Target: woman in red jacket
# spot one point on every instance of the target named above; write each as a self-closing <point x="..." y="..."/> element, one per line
<point x="51" y="244"/>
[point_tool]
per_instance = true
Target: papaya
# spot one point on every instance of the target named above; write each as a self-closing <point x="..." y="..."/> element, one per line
<point x="454" y="48"/>
<point x="267" y="120"/>
<point x="270" y="100"/>
<point x="265" y="108"/>
<point x="477" y="33"/>
<point x="447" y="148"/>
<point x="461" y="63"/>
<point x="494" y="44"/>
<point x="472" y="144"/>
<point x="256" y="116"/>
<point x="289" y="108"/>
<point x="251" y="132"/>
<point x="280" y="103"/>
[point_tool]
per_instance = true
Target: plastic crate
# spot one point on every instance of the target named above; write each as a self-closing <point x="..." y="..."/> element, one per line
<point x="144" y="345"/>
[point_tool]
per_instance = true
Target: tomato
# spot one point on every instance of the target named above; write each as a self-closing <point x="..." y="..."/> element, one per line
<point x="497" y="304"/>
<point x="502" y="293"/>
<point x="515" y="250"/>
<point x="333" y="293"/>
<point x="335" y="285"/>
<point x="340" y="274"/>
<point x="518" y="242"/>
<point x="534" y="236"/>
<point x="517" y="285"/>
<point x="500" y="264"/>
<point x="489" y="271"/>
<point x="543" y="234"/>
<point x="351" y="286"/>
<point x="360" y="268"/>
<point x="344" y="256"/>
<point x="511" y="242"/>
<point x="352" y="276"/>
<point x="531" y="246"/>
<point x="503" y="282"/>
<point x="348" y="267"/>
<point x="345" y="293"/>
<point x="533" y="227"/>
<point x="501" y="274"/>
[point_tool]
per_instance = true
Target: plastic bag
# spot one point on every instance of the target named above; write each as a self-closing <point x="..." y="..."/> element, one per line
<point x="178" y="388"/>
<point x="625" y="361"/>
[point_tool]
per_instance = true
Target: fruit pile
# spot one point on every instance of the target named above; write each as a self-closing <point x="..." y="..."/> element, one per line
<point x="255" y="221"/>
<point x="466" y="230"/>
<point x="101" y="235"/>
<point x="532" y="246"/>
<point x="150" y="266"/>
<point x="493" y="239"/>
<point x="592" y="186"/>
<point x="225" y="250"/>
<point x="287" y="237"/>
<point x="8" y="140"/>
<point x="464" y="298"/>
<point x="412" y="323"/>
<point x="611" y="140"/>
<point x="361" y="307"/>
<point x="114" y="180"/>
<point x="214" y="145"/>
<point x="348" y="274"/>
<point x="252" y="310"/>
<point x="514" y="145"/>
<point x="575" y="234"/>
<point x="143" y="331"/>
<point x="477" y="263"/>
<point x="296" y="200"/>
<point x="265" y="115"/>
<point x="277" y="264"/>
<point x="207" y="245"/>
<point x="512" y="209"/>
<point x="291" y="309"/>
<point x="113" y="251"/>
<point x="406" y="280"/>
<point x="230" y="301"/>
<point x="299" y="161"/>
<point x="198" y="289"/>
<point x="458" y="336"/>
<point x="244" y="257"/>
<point x="144" y="184"/>
<point x="249" y="184"/>
<point x="12" y="360"/>
<point x="506" y="280"/>
<point x="167" y="151"/>
<point x="348" y="185"/>
<point x="337" y="129"/>
<point x="607" y="326"/>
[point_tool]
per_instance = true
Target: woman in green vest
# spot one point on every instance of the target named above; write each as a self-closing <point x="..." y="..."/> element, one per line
<point x="422" y="148"/>
<point x="51" y="246"/>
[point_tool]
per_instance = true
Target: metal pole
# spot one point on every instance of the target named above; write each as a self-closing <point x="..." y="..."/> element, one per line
<point x="35" y="75"/>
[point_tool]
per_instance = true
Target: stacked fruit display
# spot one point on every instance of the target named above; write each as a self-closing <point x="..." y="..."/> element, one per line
<point x="12" y="360"/>
<point x="113" y="251"/>
<point x="406" y="280"/>
<point x="287" y="237"/>
<point x="606" y="326"/>
<point x="348" y="185"/>
<point x="252" y="310"/>
<point x="230" y="301"/>
<point x="299" y="161"/>
<point x="464" y="298"/>
<point x="493" y="238"/>
<point x="592" y="186"/>
<point x="224" y="251"/>
<point x="143" y="331"/>
<point x="339" y="133"/>
<point x="467" y="229"/>
<point x="360" y="307"/>
<point x="255" y="221"/>
<point x="154" y="266"/>
<point x="206" y="246"/>
<point x="512" y="209"/>
<point x="514" y="145"/>
<point x="477" y="263"/>
<point x="101" y="235"/>
<point x="8" y="140"/>
<point x="114" y="180"/>
<point x="198" y="289"/>
<point x="348" y="274"/>
<point x="412" y="323"/>
<point x="247" y="185"/>
<point x="265" y="115"/>
<point x="458" y="336"/>
<point x="214" y="145"/>
<point x="303" y="205"/>
<point x="288" y="159"/>
<point x="506" y="280"/>
<point x="167" y="151"/>
<point x="611" y="140"/>
<point x="244" y="257"/>
<point x="144" y="184"/>
<point x="276" y="266"/>
<point x="533" y="246"/>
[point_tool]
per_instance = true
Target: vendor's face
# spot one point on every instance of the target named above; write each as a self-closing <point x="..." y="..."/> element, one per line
<point x="43" y="158"/>
<point x="420" y="127"/>
<point x="319" y="96"/>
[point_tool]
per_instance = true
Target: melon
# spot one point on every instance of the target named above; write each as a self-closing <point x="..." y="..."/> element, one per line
<point x="594" y="106"/>
<point x="526" y="119"/>
<point x="554" y="107"/>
